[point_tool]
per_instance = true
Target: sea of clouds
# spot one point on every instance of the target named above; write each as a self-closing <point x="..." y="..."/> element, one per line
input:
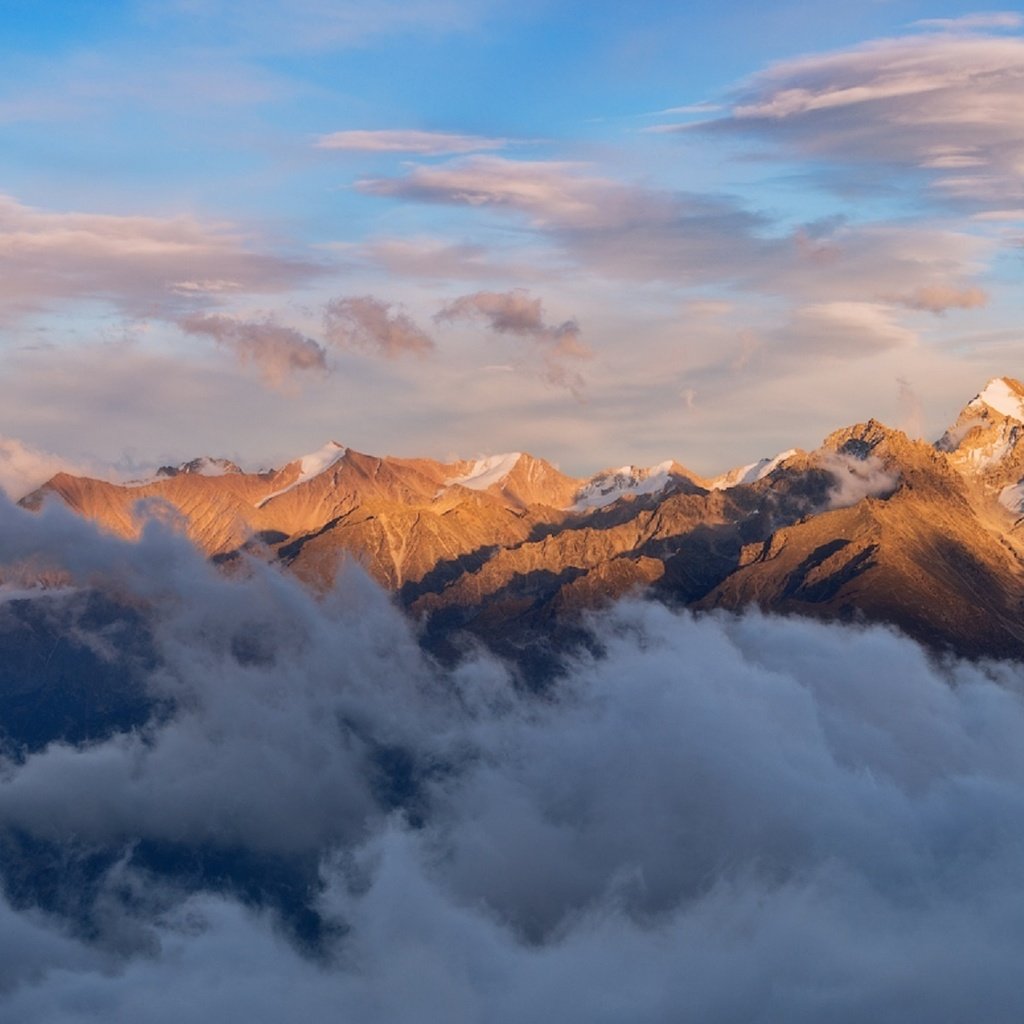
<point x="715" y="819"/>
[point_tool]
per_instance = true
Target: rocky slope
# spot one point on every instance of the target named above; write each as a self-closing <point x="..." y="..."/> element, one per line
<point x="871" y="526"/>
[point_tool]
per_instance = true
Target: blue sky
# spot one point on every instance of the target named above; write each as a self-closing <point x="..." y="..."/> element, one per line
<point x="604" y="233"/>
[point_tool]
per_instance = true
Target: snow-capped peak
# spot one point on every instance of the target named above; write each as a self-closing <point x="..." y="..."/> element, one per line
<point x="750" y="473"/>
<point x="607" y="487"/>
<point x="486" y="472"/>
<point x="1002" y="395"/>
<point x="310" y="466"/>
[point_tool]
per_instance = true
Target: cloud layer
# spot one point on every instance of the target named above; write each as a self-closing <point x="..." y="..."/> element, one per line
<point x="743" y="817"/>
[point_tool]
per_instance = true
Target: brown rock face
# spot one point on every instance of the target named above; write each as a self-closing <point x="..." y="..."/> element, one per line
<point x="871" y="527"/>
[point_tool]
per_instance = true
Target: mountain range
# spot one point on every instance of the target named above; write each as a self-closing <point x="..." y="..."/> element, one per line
<point x="872" y="526"/>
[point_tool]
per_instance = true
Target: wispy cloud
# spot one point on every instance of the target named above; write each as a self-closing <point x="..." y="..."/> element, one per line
<point x="411" y="141"/>
<point x="980" y="22"/>
<point x="940" y="298"/>
<point x="842" y="330"/>
<point x="520" y="314"/>
<point x="278" y="352"/>
<point x="438" y="259"/>
<point x="629" y="230"/>
<point x="633" y="231"/>
<point x="140" y="265"/>
<point x="947" y="105"/>
<point x="367" y="323"/>
<point x="548" y="191"/>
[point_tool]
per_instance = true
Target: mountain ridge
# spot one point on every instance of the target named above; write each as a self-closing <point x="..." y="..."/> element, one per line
<point x="871" y="526"/>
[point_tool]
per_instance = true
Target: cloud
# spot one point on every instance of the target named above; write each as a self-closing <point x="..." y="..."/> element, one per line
<point x="437" y="259"/>
<point x="520" y="314"/>
<point x="974" y="22"/>
<point x="857" y="478"/>
<point x="911" y="420"/>
<point x="842" y="330"/>
<point x="23" y="468"/>
<point x="548" y="191"/>
<point x="367" y="323"/>
<point x="143" y="266"/>
<point x="753" y="818"/>
<point x="623" y="229"/>
<point x="633" y="231"/>
<point x="940" y="298"/>
<point x="278" y="352"/>
<point x="947" y="106"/>
<point x="407" y="141"/>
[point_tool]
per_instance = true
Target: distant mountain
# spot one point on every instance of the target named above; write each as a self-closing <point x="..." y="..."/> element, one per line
<point x="871" y="526"/>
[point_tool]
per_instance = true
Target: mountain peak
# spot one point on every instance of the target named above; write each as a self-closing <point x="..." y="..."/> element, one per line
<point x="1002" y="395"/>
<point x="204" y="465"/>
<point x="486" y="472"/>
<point x="309" y="466"/>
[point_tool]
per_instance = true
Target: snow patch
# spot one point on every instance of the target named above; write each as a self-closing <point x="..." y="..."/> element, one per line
<point x="986" y="456"/>
<point x="751" y="473"/>
<point x="1002" y="397"/>
<point x="310" y="466"/>
<point x="608" y="487"/>
<point x="487" y="472"/>
<point x="1012" y="497"/>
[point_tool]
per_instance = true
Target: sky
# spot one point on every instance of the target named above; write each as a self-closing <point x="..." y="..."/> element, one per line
<point x="605" y="233"/>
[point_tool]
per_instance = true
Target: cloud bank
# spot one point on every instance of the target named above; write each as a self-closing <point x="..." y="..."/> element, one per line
<point x="724" y="818"/>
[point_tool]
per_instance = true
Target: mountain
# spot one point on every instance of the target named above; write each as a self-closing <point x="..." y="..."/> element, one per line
<point x="872" y="526"/>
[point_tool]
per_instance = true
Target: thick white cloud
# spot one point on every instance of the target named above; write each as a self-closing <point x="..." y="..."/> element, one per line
<point x="745" y="817"/>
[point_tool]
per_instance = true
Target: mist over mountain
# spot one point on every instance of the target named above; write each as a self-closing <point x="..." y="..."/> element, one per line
<point x="518" y="780"/>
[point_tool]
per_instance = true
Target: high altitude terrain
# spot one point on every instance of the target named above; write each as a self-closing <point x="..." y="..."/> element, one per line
<point x="871" y="526"/>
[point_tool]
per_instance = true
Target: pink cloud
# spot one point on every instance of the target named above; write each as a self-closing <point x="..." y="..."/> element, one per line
<point x="278" y="352"/>
<point x="141" y="265"/>
<point x="518" y="313"/>
<point x="367" y="323"/>
<point x="407" y="141"/>
<point x="935" y="102"/>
